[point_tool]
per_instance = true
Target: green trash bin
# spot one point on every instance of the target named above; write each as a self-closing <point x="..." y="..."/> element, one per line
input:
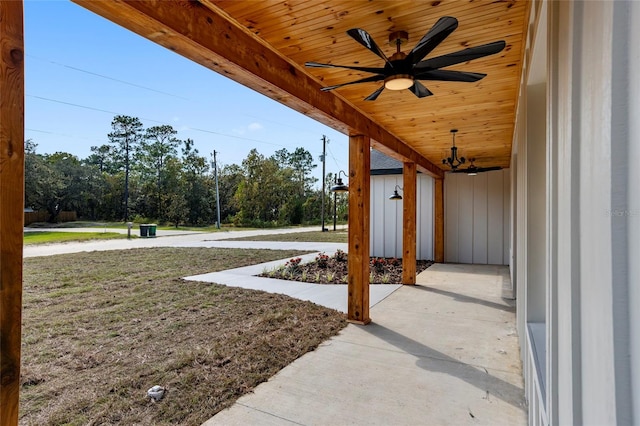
<point x="152" y="230"/>
<point x="144" y="230"/>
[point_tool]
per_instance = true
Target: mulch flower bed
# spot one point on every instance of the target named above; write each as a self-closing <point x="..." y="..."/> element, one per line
<point x="333" y="270"/>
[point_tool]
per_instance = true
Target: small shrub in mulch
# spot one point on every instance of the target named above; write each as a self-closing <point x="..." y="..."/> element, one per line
<point x="333" y="270"/>
<point x="322" y="260"/>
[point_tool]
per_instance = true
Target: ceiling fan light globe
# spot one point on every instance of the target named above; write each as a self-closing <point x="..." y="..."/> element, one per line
<point x="398" y="82"/>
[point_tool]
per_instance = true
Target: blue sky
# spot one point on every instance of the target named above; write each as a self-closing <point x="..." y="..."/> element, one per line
<point x="81" y="70"/>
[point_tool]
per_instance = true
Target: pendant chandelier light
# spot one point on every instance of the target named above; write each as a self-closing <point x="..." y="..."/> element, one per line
<point x="453" y="161"/>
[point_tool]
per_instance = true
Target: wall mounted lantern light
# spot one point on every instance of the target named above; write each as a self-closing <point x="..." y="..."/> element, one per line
<point x="339" y="186"/>
<point x="395" y="196"/>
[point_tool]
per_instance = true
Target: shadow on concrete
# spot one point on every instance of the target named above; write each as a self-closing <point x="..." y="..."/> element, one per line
<point x="509" y="307"/>
<point x="433" y="360"/>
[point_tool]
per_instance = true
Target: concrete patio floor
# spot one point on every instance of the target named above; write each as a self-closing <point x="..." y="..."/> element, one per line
<point x="442" y="352"/>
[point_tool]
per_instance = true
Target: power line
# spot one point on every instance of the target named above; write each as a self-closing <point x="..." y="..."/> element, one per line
<point x="60" y="134"/>
<point x="334" y="158"/>
<point x="154" y="121"/>
<point x="109" y="78"/>
<point x="149" y="119"/>
<point x="238" y="137"/>
<point x="159" y="91"/>
<point x="74" y="105"/>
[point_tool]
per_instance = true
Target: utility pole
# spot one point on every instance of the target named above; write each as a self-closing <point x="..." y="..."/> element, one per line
<point x="323" y="158"/>
<point x="334" y="204"/>
<point x="215" y="174"/>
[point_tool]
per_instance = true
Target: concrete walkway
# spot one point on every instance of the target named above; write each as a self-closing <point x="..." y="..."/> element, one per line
<point x="443" y="352"/>
<point x="331" y="296"/>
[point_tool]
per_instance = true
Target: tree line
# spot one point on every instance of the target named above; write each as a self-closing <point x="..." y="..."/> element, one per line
<point x="149" y="174"/>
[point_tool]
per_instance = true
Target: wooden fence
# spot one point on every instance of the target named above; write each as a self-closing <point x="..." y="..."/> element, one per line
<point x="42" y="216"/>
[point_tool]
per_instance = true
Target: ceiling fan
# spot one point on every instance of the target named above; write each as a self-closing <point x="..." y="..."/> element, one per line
<point x="454" y="161"/>
<point x="404" y="70"/>
<point x="473" y="170"/>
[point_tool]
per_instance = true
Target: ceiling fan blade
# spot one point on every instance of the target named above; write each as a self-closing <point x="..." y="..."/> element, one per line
<point x="419" y="90"/>
<point x="365" y="69"/>
<point x="449" y="75"/>
<point x="364" y="80"/>
<point x="363" y="37"/>
<point x="476" y="169"/>
<point x="460" y="56"/>
<point x="374" y="95"/>
<point x="440" y="30"/>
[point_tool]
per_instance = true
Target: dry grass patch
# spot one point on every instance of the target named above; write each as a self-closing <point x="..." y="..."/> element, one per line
<point x="101" y="328"/>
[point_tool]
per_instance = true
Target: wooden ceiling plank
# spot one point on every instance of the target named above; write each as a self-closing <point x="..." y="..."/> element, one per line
<point x="310" y="25"/>
<point x="321" y="17"/>
<point x="316" y="36"/>
<point x="262" y="19"/>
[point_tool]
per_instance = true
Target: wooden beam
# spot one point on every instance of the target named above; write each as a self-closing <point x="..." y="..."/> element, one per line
<point x="438" y="207"/>
<point x="12" y="202"/>
<point x="359" y="200"/>
<point x="205" y="34"/>
<point x="410" y="177"/>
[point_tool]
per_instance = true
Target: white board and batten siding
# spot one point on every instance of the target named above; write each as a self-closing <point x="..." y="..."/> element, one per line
<point x="476" y="211"/>
<point x="386" y="217"/>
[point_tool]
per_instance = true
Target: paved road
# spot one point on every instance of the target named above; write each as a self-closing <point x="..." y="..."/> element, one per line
<point x="184" y="239"/>
<point x="134" y="231"/>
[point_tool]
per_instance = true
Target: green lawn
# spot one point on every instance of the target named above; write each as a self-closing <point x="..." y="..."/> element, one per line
<point x="123" y="225"/>
<point x="46" y="237"/>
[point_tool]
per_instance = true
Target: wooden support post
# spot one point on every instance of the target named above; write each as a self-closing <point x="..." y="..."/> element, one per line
<point x="359" y="200"/>
<point x="409" y="223"/>
<point x="438" y="206"/>
<point x="12" y="204"/>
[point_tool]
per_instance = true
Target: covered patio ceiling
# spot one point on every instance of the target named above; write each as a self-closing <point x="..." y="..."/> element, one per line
<point x="265" y="44"/>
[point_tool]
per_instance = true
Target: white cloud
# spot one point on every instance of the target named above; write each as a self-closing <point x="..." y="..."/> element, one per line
<point x="252" y="127"/>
